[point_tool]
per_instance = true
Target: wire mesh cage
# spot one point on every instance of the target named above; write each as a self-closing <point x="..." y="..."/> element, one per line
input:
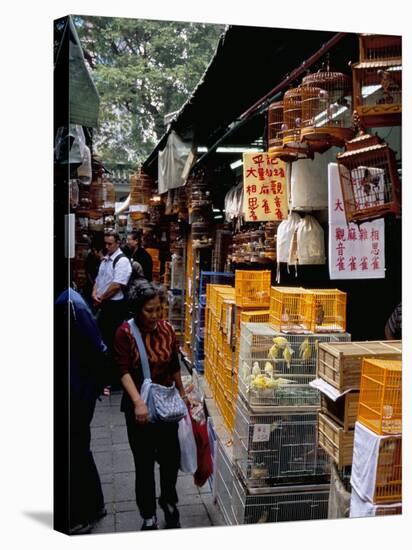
<point x="377" y="80"/>
<point x="276" y="504"/>
<point x="326" y="109"/>
<point x="273" y="448"/>
<point x="324" y="310"/>
<point x="286" y="313"/>
<point x="380" y="398"/>
<point x="275" y="369"/>
<point x="252" y="288"/>
<point x="223" y="483"/>
<point x="369" y="179"/>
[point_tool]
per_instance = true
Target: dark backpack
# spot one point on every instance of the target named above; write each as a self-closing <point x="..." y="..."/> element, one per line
<point x="134" y="274"/>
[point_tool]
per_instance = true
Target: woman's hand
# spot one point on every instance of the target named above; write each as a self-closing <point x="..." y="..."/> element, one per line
<point x="141" y="412"/>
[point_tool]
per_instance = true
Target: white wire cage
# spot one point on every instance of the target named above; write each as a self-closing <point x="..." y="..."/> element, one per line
<point x="276" y="504"/>
<point x="223" y="486"/>
<point x="275" y="448"/>
<point x="275" y="368"/>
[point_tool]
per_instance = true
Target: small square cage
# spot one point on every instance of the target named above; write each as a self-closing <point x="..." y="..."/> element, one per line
<point x="369" y="179"/>
<point x="277" y="504"/>
<point x="286" y="314"/>
<point x="377" y="81"/>
<point x="326" y="109"/>
<point x="388" y="485"/>
<point x="271" y="448"/>
<point x="275" y="369"/>
<point x="324" y="310"/>
<point x="380" y="398"/>
<point x="252" y="288"/>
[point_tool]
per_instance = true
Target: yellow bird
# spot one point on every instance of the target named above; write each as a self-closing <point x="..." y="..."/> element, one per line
<point x="287" y="355"/>
<point x="305" y="350"/>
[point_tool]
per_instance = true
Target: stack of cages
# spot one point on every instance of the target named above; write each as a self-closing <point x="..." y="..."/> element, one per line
<point x="377" y="445"/>
<point x="275" y="445"/>
<point x="206" y="278"/>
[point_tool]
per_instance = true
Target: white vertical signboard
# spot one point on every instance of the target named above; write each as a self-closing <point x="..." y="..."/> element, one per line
<point x="355" y="251"/>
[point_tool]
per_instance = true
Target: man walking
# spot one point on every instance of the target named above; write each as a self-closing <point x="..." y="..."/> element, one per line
<point x="108" y="291"/>
<point x="135" y="251"/>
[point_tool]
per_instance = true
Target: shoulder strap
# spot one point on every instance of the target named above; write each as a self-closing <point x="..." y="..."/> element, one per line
<point x="118" y="258"/>
<point x="141" y="347"/>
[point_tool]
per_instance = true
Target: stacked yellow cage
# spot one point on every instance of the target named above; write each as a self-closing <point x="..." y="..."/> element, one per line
<point x="154" y="253"/>
<point x="226" y="308"/>
<point x="377" y="447"/>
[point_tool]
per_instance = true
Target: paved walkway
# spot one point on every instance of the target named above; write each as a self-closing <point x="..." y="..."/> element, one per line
<point x="114" y="462"/>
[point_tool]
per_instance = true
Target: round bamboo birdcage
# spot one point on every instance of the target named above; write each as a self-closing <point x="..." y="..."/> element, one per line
<point x="292" y="123"/>
<point x="326" y="109"/>
<point x="141" y="186"/>
<point x="102" y="194"/>
<point x="275" y="121"/>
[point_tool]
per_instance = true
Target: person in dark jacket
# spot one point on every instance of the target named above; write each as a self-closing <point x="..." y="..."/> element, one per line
<point x="135" y="251"/>
<point x="87" y="377"/>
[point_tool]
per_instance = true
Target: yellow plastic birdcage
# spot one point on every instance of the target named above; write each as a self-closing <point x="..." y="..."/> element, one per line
<point x="255" y="316"/>
<point x="252" y="288"/>
<point x="380" y="398"/>
<point x="388" y="484"/>
<point x="324" y="310"/>
<point x="286" y="309"/>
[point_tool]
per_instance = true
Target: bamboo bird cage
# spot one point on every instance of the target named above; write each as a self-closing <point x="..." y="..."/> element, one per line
<point x="369" y="179"/>
<point x="292" y="123"/>
<point x="326" y="110"/>
<point x="377" y="80"/>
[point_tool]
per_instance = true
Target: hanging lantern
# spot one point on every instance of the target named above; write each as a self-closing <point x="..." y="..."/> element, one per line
<point x="369" y="179"/>
<point x="377" y="81"/>
<point x="326" y="110"/>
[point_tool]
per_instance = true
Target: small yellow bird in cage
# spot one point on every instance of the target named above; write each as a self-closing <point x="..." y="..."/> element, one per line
<point x="269" y="369"/>
<point x="287" y="355"/>
<point x="305" y="350"/>
<point x="279" y="343"/>
<point x="256" y="369"/>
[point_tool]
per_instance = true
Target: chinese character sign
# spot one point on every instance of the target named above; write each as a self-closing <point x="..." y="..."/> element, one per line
<point x="355" y="252"/>
<point x="264" y="188"/>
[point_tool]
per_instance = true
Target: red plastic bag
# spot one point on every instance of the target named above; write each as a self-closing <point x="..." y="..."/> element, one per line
<point x="204" y="457"/>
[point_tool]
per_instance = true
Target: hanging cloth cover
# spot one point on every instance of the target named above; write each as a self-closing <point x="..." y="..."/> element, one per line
<point x="73" y="78"/>
<point x="172" y="169"/>
<point x="308" y="243"/>
<point x="284" y="235"/>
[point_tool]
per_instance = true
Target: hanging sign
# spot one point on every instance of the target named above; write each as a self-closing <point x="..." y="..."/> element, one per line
<point x="355" y="251"/>
<point x="264" y="188"/>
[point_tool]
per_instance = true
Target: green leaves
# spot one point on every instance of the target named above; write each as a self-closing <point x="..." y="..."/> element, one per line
<point x="143" y="70"/>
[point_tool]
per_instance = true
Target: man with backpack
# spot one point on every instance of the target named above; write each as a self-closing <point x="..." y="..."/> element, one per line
<point x="109" y="291"/>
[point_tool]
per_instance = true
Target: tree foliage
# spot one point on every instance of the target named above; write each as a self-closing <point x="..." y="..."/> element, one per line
<point x="143" y="70"/>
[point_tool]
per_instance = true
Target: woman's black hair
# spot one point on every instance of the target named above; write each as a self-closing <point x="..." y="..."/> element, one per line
<point x="140" y="292"/>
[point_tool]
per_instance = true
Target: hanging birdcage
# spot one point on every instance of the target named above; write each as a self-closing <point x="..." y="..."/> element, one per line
<point x="292" y="123"/>
<point x="140" y="193"/>
<point x="369" y="179"/>
<point x="326" y="110"/>
<point x="377" y="81"/>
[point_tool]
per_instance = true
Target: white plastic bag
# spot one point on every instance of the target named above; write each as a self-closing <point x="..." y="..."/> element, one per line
<point x="188" y="450"/>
